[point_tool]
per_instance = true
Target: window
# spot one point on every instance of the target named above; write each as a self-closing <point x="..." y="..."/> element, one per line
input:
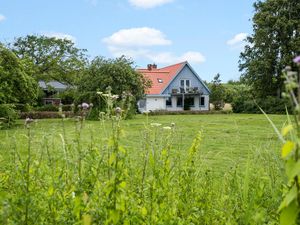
<point x="169" y="102"/>
<point x="202" y="101"/>
<point x="179" y="101"/>
<point x="159" y="80"/>
<point x="185" y="84"/>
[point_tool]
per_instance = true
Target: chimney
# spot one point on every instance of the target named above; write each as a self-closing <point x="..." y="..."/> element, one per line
<point x="152" y="66"/>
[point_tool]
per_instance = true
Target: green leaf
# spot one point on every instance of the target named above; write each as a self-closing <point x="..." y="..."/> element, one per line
<point x="289" y="214"/>
<point x="86" y="219"/>
<point x="287" y="148"/>
<point x="289" y="197"/>
<point x="112" y="159"/>
<point x="144" y="211"/>
<point x="292" y="168"/>
<point x="122" y="184"/>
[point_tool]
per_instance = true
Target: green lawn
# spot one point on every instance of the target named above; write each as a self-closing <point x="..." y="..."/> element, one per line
<point x="231" y="137"/>
<point x="234" y="178"/>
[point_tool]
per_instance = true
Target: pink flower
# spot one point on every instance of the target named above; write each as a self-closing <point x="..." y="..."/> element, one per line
<point x="297" y="59"/>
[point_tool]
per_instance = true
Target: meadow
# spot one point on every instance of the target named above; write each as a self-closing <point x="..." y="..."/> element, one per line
<point x="179" y="169"/>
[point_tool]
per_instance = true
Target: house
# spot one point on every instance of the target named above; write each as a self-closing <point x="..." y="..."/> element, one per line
<point x="174" y="88"/>
<point x="51" y="89"/>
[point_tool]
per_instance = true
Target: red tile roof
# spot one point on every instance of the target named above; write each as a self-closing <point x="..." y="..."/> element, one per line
<point x="166" y="74"/>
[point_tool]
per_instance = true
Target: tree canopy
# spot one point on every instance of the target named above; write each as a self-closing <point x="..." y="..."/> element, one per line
<point x="275" y="41"/>
<point x="217" y="92"/>
<point x="16" y="86"/>
<point x="50" y="58"/>
<point x="119" y="74"/>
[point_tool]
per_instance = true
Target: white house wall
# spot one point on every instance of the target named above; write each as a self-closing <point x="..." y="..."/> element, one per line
<point x="155" y="103"/>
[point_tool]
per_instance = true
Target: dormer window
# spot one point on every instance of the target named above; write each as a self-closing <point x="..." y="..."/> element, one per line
<point x="159" y="80"/>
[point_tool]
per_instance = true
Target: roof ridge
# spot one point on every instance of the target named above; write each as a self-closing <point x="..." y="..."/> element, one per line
<point x="174" y="65"/>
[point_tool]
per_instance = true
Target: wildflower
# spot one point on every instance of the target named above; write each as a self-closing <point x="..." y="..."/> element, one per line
<point x="91" y="105"/>
<point x="297" y="60"/>
<point x="28" y="120"/>
<point x="155" y="124"/>
<point x="73" y="194"/>
<point x="85" y="105"/>
<point x="172" y="124"/>
<point x="118" y="110"/>
<point x="167" y="128"/>
<point x="115" y="97"/>
<point x="99" y="92"/>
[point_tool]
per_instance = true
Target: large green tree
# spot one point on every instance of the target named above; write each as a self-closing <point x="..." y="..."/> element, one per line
<point x="16" y="86"/>
<point x="273" y="44"/>
<point x="51" y="58"/>
<point x="118" y="74"/>
<point x="217" y="92"/>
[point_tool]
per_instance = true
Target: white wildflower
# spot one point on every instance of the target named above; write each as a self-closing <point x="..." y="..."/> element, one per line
<point x="167" y="128"/>
<point x="155" y="124"/>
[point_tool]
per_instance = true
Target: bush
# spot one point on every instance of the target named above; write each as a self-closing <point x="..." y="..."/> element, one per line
<point x="270" y="105"/>
<point x="47" y="108"/>
<point x="44" y="115"/>
<point x="67" y="108"/>
<point x="8" y="115"/>
<point x="23" y="107"/>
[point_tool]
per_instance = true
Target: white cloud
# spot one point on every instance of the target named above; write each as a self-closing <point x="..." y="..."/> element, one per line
<point x="237" y="39"/>
<point x="146" y="4"/>
<point x="137" y="42"/>
<point x="169" y="58"/>
<point x="143" y="36"/>
<point x="93" y="2"/>
<point x="59" y="35"/>
<point x="2" y="17"/>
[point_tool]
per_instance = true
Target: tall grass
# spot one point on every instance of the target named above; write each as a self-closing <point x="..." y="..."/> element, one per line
<point x="64" y="178"/>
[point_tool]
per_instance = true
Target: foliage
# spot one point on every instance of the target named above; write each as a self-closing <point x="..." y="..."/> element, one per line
<point x="275" y="41"/>
<point x="83" y="172"/>
<point x="45" y="108"/>
<point x="50" y="58"/>
<point x="233" y="91"/>
<point x="44" y="114"/>
<point x="8" y="115"/>
<point x="290" y="136"/>
<point x="217" y="92"/>
<point x="118" y="76"/>
<point x="68" y="96"/>
<point x="270" y="105"/>
<point x="16" y="86"/>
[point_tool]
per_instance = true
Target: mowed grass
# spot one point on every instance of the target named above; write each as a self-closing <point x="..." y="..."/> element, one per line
<point x="226" y="138"/>
<point x="70" y="172"/>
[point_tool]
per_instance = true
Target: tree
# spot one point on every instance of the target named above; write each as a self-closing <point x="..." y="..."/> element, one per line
<point x="51" y="58"/>
<point x="118" y="74"/>
<point x="217" y="92"/>
<point x="16" y="86"/>
<point x="275" y="41"/>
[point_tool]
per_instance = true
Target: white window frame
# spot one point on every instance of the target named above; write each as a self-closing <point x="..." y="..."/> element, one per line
<point x="185" y="84"/>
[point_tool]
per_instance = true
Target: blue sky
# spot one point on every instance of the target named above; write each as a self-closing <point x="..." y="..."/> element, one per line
<point x="207" y="33"/>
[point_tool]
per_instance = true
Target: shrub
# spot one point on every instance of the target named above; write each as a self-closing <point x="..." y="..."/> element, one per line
<point x="47" y="108"/>
<point x="270" y="105"/>
<point x="44" y="115"/>
<point x="66" y="108"/>
<point x="8" y="115"/>
<point x="23" y="107"/>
